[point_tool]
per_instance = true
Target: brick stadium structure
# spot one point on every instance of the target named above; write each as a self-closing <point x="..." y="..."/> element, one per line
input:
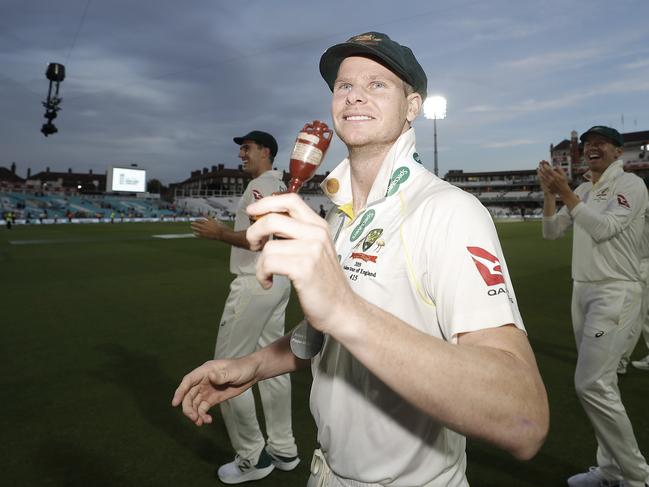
<point x="517" y="193"/>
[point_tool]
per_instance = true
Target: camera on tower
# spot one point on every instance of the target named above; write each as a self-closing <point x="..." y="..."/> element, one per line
<point x="56" y="74"/>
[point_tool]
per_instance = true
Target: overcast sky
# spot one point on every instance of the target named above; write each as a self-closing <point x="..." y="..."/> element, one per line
<point x="167" y="84"/>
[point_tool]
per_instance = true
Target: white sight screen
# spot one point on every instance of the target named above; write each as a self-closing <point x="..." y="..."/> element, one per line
<point x="130" y="180"/>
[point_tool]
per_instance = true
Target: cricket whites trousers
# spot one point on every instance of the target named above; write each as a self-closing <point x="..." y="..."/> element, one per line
<point x="322" y="476"/>
<point x="643" y="328"/>
<point x="253" y="317"/>
<point x="603" y="316"/>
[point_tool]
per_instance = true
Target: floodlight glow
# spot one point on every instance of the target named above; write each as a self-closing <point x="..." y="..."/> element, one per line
<point x="435" y="107"/>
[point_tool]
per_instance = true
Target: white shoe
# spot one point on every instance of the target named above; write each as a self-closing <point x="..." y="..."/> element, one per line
<point x="642" y="364"/>
<point x="286" y="464"/>
<point x="593" y="478"/>
<point x="241" y="470"/>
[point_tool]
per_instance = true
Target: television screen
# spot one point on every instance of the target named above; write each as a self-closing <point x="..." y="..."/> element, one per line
<point x="128" y="180"/>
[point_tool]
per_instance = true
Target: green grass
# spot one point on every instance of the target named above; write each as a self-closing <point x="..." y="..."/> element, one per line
<point x="98" y="323"/>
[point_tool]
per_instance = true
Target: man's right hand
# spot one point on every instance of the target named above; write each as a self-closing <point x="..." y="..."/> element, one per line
<point x="212" y="383"/>
<point x="306" y="255"/>
<point x="540" y="171"/>
<point x="208" y="228"/>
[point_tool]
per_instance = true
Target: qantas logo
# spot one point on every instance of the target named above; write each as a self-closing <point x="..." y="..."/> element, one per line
<point x="257" y="195"/>
<point x="622" y="201"/>
<point x="488" y="266"/>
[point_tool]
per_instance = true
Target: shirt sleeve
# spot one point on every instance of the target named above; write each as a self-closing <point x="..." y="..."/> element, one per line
<point x="629" y="197"/>
<point x="555" y="226"/>
<point x="465" y="271"/>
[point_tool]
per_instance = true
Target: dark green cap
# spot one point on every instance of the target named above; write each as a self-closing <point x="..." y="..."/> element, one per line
<point x="397" y="58"/>
<point x="608" y="132"/>
<point x="262" y="138"/>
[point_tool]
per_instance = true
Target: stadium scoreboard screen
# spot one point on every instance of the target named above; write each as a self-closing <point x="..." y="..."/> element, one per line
<point x="126" y="180"/>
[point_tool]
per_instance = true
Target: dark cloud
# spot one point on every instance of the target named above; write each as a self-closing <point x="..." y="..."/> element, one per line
<point x="167" y="85"/>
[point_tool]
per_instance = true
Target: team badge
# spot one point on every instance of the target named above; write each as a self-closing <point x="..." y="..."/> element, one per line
<point x="488" y="266"/>
<point x="366" y="39"/>
<point x="622" y="201"/>
<point x="371" y="238"/>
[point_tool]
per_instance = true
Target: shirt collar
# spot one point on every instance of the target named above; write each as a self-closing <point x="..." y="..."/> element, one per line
<point x="611" y="172"/>
<point x="337" y="185"/>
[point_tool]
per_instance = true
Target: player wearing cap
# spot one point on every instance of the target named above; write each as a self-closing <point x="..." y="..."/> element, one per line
<point x="607" y="214"/>
<point x="253" y="317"/>
<point x="424" y="342"/>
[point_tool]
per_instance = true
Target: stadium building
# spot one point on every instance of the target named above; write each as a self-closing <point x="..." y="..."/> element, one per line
<point x="216" y="191"/>
<point x="511" y="194"/>
<point x="71" y="197"/>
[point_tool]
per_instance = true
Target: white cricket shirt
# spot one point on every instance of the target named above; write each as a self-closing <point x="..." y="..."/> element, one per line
<point x="243" y="261"/>
<point x="608" y="226"/>
<point x="427" y="252"/>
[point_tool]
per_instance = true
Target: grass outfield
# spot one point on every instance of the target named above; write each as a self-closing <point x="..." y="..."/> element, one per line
<point x="100" y="322"/>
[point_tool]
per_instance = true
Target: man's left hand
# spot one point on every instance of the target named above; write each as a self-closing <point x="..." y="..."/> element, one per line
<point x="208" y="228"/>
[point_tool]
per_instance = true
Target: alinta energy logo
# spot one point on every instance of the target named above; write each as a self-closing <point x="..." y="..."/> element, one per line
<point x="488" y="265"/>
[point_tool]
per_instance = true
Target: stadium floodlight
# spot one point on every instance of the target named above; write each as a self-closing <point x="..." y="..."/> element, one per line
<point x="435" y="108"/>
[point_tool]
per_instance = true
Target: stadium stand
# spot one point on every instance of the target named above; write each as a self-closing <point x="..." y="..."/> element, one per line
<point x="225" y="207"/>
<point x="54" y="196"/>
<point x="43" y="208"/>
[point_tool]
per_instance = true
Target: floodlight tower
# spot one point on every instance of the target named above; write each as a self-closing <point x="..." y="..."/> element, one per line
<point x="435" y="108"/>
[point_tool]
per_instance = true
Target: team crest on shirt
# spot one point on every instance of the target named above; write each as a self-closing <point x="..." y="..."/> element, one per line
<point x="488" y="266"/>
<point x="368" y="243"/>
<point x="370" y="239"/>
<point x="257" y="195"/>
<point x="364" y="255"/>
<point x="601" y="195"/>
<point x="623" y="202"/>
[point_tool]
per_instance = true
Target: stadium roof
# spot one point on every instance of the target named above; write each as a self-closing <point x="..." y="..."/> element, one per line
<point x="68" y="176"/>
<point x="461" y="173"/>
<point x="9" y="175"/>
<point x="642" y="136"/>
<point x="563" y="145"/>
